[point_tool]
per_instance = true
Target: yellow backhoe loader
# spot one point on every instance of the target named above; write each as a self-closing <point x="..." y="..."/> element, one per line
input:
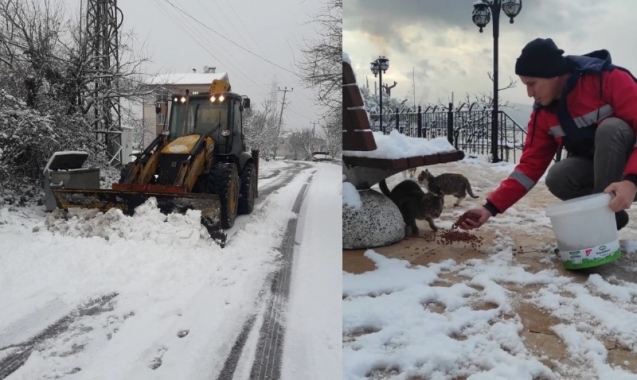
<point x="198" y="162"/>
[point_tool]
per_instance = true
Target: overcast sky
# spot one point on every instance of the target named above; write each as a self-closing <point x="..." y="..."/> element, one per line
<point x="438" y="39"/>
<point x="272" y="30"/>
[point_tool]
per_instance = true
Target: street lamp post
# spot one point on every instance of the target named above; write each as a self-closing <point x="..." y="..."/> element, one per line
<point x="380" y="66"/>
<point x="483" y="10"/>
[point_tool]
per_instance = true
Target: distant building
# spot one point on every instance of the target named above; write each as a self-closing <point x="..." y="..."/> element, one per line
<point x="165" y="84"/>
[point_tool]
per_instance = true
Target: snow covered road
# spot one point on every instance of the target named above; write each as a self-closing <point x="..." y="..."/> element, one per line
<point x="150" y="297"/>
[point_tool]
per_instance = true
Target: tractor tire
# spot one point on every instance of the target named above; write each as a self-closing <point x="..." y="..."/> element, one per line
<point x="124" y="172"/>
<point x="223" y="180"/>
<point x="248" y="188"/>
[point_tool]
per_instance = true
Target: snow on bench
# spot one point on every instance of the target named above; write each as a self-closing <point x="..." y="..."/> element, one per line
<point x="370" y="157"/>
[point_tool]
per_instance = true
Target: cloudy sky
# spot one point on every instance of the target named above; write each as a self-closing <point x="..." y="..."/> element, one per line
<point x="274" y="31"/>
<point x="447" y="53"/>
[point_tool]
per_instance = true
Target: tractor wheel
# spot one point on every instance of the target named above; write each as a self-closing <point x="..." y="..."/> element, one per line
<point x="248" y="188"/>
<point x="223" y="180"/>
<point x="124" y="172"/>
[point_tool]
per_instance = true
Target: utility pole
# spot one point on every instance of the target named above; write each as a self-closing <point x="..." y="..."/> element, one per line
<point x="278" y="130"/>
<point x="313" y="134"/>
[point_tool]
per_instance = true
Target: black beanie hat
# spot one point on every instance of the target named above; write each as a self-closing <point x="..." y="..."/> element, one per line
<point x="541" y="58"/>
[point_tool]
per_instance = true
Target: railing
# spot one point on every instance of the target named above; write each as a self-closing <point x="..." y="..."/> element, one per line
<point x="466" y="128"/>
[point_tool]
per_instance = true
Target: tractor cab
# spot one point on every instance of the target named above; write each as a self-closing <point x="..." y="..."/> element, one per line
<point x="216" y="113"/>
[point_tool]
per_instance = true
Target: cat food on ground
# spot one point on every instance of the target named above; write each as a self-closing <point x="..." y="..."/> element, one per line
<point x="449" y="237"/>
<point x="465" y="216"/>
<point x="452" y="236"/>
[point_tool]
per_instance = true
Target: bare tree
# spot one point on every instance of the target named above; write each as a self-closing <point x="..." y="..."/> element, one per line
<point x="512" y="83"/>
<point x="388" y="88"/>
<point x="321" y="65"/>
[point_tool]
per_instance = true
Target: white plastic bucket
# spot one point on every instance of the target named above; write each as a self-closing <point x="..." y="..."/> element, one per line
<point x="585" y="230"/>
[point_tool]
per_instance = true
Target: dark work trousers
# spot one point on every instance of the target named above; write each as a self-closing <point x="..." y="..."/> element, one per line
<point x="579" y="176"/>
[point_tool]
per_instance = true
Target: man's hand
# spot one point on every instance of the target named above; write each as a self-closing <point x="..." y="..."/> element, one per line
<point x="469" y="224"/>
<point x="624" y="191"/>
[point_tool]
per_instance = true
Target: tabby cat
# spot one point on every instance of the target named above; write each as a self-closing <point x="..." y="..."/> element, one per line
<point x="448" y="184"/>
<point x="414" y="203"/>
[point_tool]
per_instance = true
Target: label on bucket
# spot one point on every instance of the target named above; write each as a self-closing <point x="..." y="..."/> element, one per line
<point x="590" y="255"/>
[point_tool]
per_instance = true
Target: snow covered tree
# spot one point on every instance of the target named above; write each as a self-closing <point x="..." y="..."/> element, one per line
<point x="372" y="102"/>
<point x="302" y="144"/>
<point x="261" y="126"/>
<point x="333" y="131"/>
<point x="29" y="137"/>
<point x="46" y="73"/>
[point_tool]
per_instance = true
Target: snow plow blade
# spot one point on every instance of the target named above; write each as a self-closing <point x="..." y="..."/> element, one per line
<point x="127" y="201"/>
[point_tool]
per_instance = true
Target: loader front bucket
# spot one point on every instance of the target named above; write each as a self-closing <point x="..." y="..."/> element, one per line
<point x="127" y="201"/>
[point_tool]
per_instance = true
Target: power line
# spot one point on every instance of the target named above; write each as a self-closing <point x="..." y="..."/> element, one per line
<point x="226" y="17"/>
<point x="196" y="39"/>
<point x="298" y="114"/>
<point x="197" y="36"/>
<point x="227" y="39"/>
<point x="181" y="9"/>
<point x="246" y="28"/>
<point x="229" y="21"/>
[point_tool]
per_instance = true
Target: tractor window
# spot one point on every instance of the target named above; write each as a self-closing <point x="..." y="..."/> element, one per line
<point x="203" y="117"/>
<point x="177" y="117"/>
<point x="237" y="116"/>
<point x="210" y="117"/>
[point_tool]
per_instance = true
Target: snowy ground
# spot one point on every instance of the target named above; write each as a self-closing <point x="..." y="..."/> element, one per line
<point x="418" y="310"/>
<point x="152" y="297"/>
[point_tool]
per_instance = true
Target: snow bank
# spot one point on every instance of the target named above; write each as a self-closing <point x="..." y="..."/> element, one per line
<point x="147" y="224"/>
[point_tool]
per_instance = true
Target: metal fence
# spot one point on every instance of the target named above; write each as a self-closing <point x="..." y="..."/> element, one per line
<point x="467" y="128"/>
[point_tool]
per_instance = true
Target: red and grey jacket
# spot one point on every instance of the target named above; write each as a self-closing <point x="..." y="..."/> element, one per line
<point x="596" y="90"/>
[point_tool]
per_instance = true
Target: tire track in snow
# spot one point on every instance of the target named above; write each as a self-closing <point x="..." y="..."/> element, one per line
<point x="16" y="359"/>
<point x="289" y="173"/>
<point x="269" y="350"/>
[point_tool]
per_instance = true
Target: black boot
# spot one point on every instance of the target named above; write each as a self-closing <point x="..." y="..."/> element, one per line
<point x="621" y="218"/>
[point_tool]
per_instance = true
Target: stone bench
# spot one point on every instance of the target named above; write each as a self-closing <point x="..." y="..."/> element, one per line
<point x="378" y="221"/>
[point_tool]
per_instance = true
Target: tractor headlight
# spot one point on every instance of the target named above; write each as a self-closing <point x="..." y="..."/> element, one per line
<point x="226" y="133"/>
<point x="221" y="98"/>
<point x="183" y="99"/>
<point x="212" y="99"/>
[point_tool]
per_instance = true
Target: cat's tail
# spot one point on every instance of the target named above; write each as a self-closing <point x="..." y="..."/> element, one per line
<point x="383" y="187"/>
<point x="471" y="191"/>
